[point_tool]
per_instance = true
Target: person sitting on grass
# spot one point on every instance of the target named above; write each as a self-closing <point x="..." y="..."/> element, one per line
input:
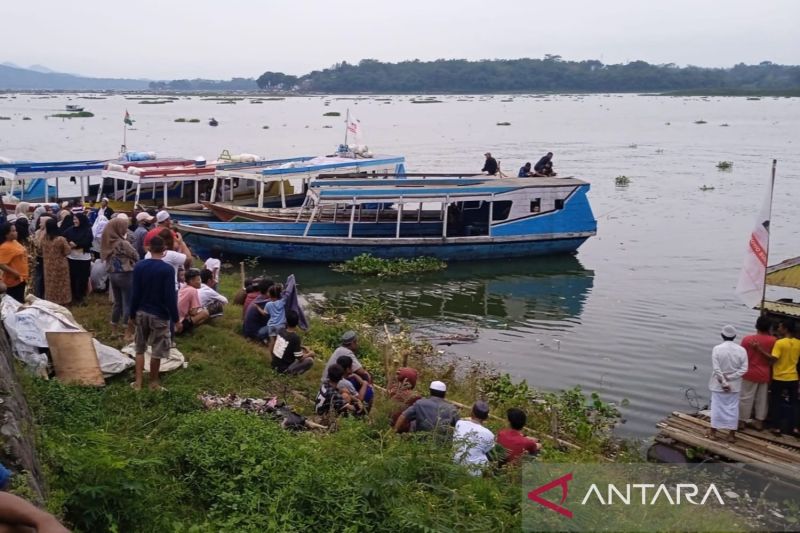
<point x="473" y="442"/>
<point x="330" y="400"/>
<point x="276" y="309"/>
<point x="213" y="301"/>
<point x="256" y="318"/>
<point x="191" y="312"/>
<point x="349" y="347"/>
<point x="431" y="414"/>
<point x="214" y="264"/>
<point x="154" y="303"/>
<point x="289" y="356"/>
<point x="354" y="385"/>
<point x="513" y="441"/>
<point x="403" y="395"/>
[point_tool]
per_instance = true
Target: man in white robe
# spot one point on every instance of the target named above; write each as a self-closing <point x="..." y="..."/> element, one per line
<point x="728" y="365"/>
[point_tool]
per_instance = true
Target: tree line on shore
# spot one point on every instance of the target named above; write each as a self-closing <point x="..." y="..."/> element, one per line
<point x="531" y="75"/>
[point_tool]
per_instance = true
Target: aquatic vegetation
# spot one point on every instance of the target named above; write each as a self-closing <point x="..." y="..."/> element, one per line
<point x="79" y="114"/>
<point x="725" y="165"/>
<point x="5" y="118"/>
<point x="660" y="151"/>
<point x="622" y="181"/>
<point x="190" y="120"/>
<point x="332" y="114"/>
<point x="427" y="101"/>
<point x="180" y="120"/>
<point x="26" y="118"/>
<point x="633" y="146"/>
<point x="194" y="120"/>
<point x="256" y="101"/>
<point x="265" y="127"/>
<point x="327" y="126"/>
<point x="706" y="188"/>
<point x="701" y="121"/>
<point x="374" y="266"/>
<point x="724" y="125"/>
<point x="155" y="102"/>
<point x="227" y="102"/>
<point x="503" y="123"/>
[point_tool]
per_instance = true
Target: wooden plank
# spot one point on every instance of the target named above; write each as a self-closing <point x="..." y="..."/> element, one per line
<point x="747" y="443"/>
<point x="760" y="438"/>
<point x="723" y="450"/>
<point x="74" y="358"/>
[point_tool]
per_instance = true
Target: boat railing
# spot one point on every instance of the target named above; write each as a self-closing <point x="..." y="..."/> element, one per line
<point x="402" y="175"/>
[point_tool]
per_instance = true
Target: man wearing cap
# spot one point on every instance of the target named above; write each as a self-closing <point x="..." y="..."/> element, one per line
<point x="348" y="347"/>
<point x="104" y="210"/>
<point x="728" y="365"/>
<point x="162" y="221"/>
<point x="472" y="440"/>
<point x="431" y="414"/>
<point x="490" y="166"/>
<point x="143" y="221"/>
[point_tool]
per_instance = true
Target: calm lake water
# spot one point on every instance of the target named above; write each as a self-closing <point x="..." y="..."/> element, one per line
<point x="633" y="316"/>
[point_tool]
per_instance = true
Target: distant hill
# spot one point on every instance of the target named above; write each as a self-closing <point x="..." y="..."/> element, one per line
<point x="42" y="78"/>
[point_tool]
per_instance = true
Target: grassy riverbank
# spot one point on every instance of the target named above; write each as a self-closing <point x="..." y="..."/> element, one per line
<point x="125" y="461"/>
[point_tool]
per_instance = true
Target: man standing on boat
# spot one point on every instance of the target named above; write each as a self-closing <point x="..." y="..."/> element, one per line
<point x="490" y="166"/>
<point x="756" y="381"/>
<point x="728" y="365"/>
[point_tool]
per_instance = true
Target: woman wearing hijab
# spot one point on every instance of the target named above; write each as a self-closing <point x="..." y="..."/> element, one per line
<point x="79" y="237"/>
<point x="38" y="212"/>
<point x="55" y="250"/>
<point x="23" y="230"/>
<point x="38" y="237"/>
<point x="120" y="257"/>
<point x="64" y="220"/>
<point x="22" y="209"/>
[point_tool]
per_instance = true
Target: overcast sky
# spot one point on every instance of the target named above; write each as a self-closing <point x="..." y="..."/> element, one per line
<point x="168" y="39"/>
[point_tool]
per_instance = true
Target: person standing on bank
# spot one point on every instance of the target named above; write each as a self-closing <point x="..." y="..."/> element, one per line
<point x="154" y="303"/>
<point x="80" y="238"/>
<point x="55" y="250"/>
<point x="13" y="262"/>
<point x="120" y="256"/>
<point x="755" y="381"/>
<point x="728" y="365"/>
<point x="490" y="166"/>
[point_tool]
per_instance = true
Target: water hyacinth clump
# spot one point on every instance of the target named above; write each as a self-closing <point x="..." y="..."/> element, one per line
<point x="79" y="114"/>
<point x="622" y="181"/>
<point x="725" y="165"/>
<point x="374" y="266"/>
<point x="332" y="114"/>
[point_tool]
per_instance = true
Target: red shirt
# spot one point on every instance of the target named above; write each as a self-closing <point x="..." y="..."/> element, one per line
<point x="758" y="367"/>
<point x="152" y="233"/>
<point x="248" y="299"/>
<point x="515" y="443"/>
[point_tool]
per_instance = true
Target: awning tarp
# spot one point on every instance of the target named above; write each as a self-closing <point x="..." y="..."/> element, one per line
<point x="785" y="274"/>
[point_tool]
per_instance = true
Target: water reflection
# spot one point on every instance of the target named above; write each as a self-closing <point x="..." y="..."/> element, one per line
<point x="510" y="292"/>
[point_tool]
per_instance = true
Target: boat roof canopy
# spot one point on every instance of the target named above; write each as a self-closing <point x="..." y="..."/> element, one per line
<point x="52" y="169"/>
<point x="276" y="169"/>
<point x="435" y="189"/>
<point x="785" y="274"/>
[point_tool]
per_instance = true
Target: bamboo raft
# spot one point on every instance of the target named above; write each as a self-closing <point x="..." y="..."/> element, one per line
<point x="771" y="454"/>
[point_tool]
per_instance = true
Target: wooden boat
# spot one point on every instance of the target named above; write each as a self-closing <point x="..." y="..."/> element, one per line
<point x="213" y="122"/>
<point x="74" y="108"/>
<point x="456" y="219"/>
<point x="39" y="181"/>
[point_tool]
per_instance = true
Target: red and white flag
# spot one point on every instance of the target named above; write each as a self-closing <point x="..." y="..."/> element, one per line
<point x="354" y="130"/>
<point x="751" y="280"/>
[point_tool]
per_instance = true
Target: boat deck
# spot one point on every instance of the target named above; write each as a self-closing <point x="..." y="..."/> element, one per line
<point x="761" y="450"/>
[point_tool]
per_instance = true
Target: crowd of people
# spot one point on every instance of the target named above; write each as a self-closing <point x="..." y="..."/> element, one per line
<point x="755" y="383"/>
<point x="142" y="263"/>
<point x="542" y="168"/>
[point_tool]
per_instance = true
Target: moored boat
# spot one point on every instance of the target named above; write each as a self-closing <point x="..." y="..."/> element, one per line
<point x="456" y="219"/>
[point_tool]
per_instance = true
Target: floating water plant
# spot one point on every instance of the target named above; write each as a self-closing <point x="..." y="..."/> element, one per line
<point x="79" y="114"/>
<point x="633" y="146"/>
<point x="701" y="121"/>
<point x="374" y="266"/>
<point x="622" y="181"/>
<point x="706" y="188"/>
<point x="180" y="120"/>
<point x="155" y="102"/>
<point x="264" y="127"/>
<point x="5" y="118"/>
<point x="26" y="118"/>
<point x="725" y="165"/>
<point x="332" y="114"/>
<point x="503" y="123"/>
<point x="660" y="151"/>
<point x="724" y="125"/>
<point x="194" y="120"/>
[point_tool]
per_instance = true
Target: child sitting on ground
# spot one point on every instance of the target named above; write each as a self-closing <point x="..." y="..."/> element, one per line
<point x="276" y="308"/>
<point x="214" y="264"/>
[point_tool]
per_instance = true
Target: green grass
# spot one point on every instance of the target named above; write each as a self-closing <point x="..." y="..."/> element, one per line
<point x="118" y="460"/>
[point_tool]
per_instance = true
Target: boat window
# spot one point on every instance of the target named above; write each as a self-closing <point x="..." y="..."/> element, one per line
<point x="536" y="205"/>
<point x="474" y="204"/>
<point x="559" y="203"/>
<point x="501" y="210"/>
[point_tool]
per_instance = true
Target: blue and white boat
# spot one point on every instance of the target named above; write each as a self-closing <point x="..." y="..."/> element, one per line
<point x="451" y="218"/>
<point x="39" y="181"/>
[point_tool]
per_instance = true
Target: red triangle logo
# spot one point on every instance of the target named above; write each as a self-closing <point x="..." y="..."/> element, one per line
<point x="562" y="482"/>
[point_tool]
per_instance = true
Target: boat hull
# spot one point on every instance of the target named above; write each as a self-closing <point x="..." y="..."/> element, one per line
<point x="455" y="249"/>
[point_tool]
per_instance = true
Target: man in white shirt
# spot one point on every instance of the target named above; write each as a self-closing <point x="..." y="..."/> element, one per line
<point x="472" y="440"/>
<point x="728" y="365"/>
<point x="209" y="298"/>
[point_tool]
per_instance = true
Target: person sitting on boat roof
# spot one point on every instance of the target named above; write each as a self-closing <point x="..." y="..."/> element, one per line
<point x="544" y="167"/>
<point x="490" y="166"/>
<point x="525" y="171"/>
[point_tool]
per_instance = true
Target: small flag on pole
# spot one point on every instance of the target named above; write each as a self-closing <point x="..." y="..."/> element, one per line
<point x="354" y="129"/>
<point x="750" y="288"/>
<point x="128" y="119"/>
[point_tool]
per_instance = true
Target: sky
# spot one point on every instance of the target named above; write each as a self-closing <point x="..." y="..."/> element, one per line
<point x="172" y="39"/>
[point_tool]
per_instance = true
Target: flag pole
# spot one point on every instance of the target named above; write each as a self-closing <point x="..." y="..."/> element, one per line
<point x="771" y="192"/>
<point x="346" y="126"/>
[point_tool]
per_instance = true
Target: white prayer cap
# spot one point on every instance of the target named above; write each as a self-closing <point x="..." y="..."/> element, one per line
<point x="729" y="331"/>
<point x="438" y="386"/>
